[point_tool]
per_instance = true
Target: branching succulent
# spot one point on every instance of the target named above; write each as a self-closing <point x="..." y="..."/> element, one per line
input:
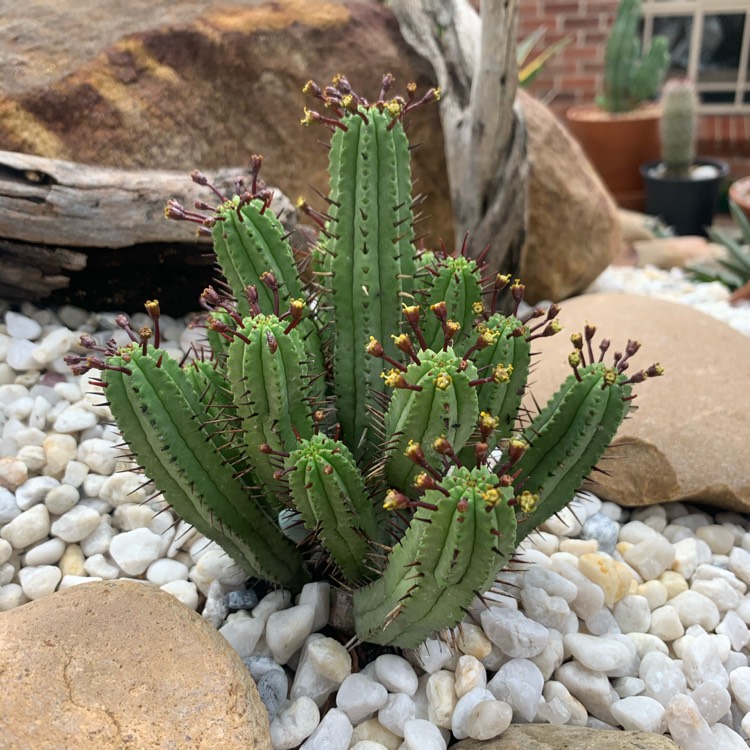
<point x="629" y="76"/>
<point x="377" y="406"/>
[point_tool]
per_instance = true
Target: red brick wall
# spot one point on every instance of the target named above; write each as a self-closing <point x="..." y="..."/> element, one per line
<point x="575" y="75"/>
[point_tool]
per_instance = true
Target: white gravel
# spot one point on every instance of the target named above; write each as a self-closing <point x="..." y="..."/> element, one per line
<point x="613" y="619"/>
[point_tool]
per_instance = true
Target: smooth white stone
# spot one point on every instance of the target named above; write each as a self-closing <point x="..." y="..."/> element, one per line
<point x="99" y="455"/>
<point x="396" y="711"/>
<point x="689" y="554"/>
<point x="513" y="632"/>
<point x="470" y="673"/>
<point x="53" y="346"/>
<point x="599" y="654"/>
<point x="591" y="688"/>
<point x="318" y="596"/>
<point x="563" y="523"/>
<point x="464" y="707"/>
<point x="76" y="524"/>
<point x="164" y="570"/>
<point x="650" y="557"/>
<point x="134" y="551"/>
<point x="68" y="581"/>
<point x="6" y="551"/>
<point x="719" y="591"/>
<point x="666" y="624"/>
<point x="122" y="488"/>
<point x="215" y="564"/>
<point x="489" y="719"/>
<point x="59" y="451"/>
<point x="735" y="629"/>
<point x="739" y="683"/>
<point x="602" y="623"/>
<point x="323" y="665"/>
<point x="32" y="456"/>
<point x="28" y="527"/>
<point x="98" y="565"/>
<point x="628" y="686"/>
<point x="60" y="500"/>
<point x="330" y="659"/>
<point x="551" y="582"/>
<point x="645" y="642"/>
<point x="421" y="735"/>
<point x="636" y="531"/>
<point x="556" y="691"/>
<point x="552" y="712"/>
<point x="640" y="713"/>
<point x="441" y="698"/>
<point x="686" y="725"/>
<point x="713" y="701"/>
<point x="20" y="355"/>
<point x="719" y="538"/>
<point x="129" y="516"/>
<point x="708" y="572"/>
<point x="694" y="608"/>
<point x="243" y="632"/>
<point x="294" y="724"/>
<point x="44" y="553"/>
<point x="519" y="683"/>
<point x="589" y="597"/>
<point x="287" y="630"/>
<point x="396" y="674"/>
<point x="359" y="696"/>
<point x="275" y="601"/>
<point x="727" y="739"/>
<point x="550" y="658"/>
<point x="11" y="596"/>
<point x="472" y="641"/>
<point x="333" y="733"/>
<point x="74" y="419"/>
<point x="433" y="655"/>
<point x="215" y="609"/>
<point x="662" y="677"/>
<point x="8" y="507"/>
<point x="34" y="490"/>
<point x="98" y="541"/>
<point x="21" y="326"/>
<point x="39" y="581"/>
<point x="550" y="611"/>
<point x="633" y="614"/>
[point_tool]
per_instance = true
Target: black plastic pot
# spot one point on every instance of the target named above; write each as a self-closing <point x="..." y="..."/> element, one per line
<point x="685" y="205"/>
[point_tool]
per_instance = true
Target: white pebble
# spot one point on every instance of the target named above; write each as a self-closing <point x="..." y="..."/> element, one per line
<point x="694" y="608"/>
<point x="34" y="490"/>
<point x="74" y="419"/>
<point x="633" y="614"/>
<point x="489" y="719"/>
<point x="359" y="696"/>
<point x="686" y="725"/>
<point x="294" y="724"/>
<point x="11" y="596"/>
<point x="640" y="713"/>
<point x="21" y="326"/>
<point x="333" y="733"/>
<point x="598" y="653"/>
<point x="99" y="455"/>
<point x="421" y="735"/>
<point x="463" y="709"/>
<point x="396" y="711"/>
<point x="164" y="570"/>
<point x="76" y="524"/>
<point x="650" y="557"/>
<point x="39" y="581"/>
<point x="287" y="630"/>
<point x="44" y="553"/>
<point x="441" y="698"/>
<point x="242" y="631"/>
<point x="134" y="551"/>
<point x="185" y="591"/>
<point x="519" y="683"/>
<point x="396" y="674"/>
<point x="513" y="632"/>
<point x="433" y="655"/>
<point x="60" y="500"/>
<point x="98" y="565"/>
<point x="470" y="673"/>
<point x="713" y="701"/>
<point x="31" y="526"/>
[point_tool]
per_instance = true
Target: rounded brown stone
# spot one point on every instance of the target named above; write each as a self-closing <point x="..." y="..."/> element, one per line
<point x="119" y="664"/>
<point x="687" y="440"/>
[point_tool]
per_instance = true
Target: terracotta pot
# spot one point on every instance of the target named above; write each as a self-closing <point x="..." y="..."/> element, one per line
<point x="617" y="145"/>
<point x="739" y="192"/>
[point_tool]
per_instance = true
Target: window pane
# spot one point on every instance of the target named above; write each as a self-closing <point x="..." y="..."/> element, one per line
<point x="720" y="48"/>
<point x="677" y="29"/>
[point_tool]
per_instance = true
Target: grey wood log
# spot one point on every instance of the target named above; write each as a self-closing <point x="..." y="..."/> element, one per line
<point x="57" y="218"/>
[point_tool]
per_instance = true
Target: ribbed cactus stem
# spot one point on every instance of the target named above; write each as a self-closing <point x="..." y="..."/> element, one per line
<point x="678" y="126"/>
<point x="629" y="77"/>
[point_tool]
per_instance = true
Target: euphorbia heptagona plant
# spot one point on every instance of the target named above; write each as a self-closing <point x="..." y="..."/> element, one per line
<point x="377" y="405"/>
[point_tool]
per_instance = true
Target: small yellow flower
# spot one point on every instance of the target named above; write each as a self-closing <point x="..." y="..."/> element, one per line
<point x="528" y="501"/>
<point x="443" y="381"/>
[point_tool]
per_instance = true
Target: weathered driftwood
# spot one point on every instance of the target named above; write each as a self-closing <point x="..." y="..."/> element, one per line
<point x="58" y="218"/>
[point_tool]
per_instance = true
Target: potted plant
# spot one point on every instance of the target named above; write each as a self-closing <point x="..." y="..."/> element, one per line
<point x="680" y="188"/>
<point x="621" y="130"/>
<point x="739" y="192"/>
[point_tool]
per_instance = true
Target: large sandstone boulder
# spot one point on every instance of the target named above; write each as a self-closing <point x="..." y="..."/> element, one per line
<point x="550" y="737"/>
<point x="688" y="439"/>
<point x="574" y="231"/>
<point x="103" y="666"/>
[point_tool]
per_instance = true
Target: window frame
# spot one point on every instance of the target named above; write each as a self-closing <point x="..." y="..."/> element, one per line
<point x="699" y="9"/>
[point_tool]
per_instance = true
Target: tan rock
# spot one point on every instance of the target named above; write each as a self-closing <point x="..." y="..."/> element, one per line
<point x="551" y="737"/>
<point x="688" y="438"/>
<point x="635" y="225"/>
<point x="668" y="252"/>
<point x="102" y="666"/>
<point x="203" y="83"/>
<point x="574" y="231"/>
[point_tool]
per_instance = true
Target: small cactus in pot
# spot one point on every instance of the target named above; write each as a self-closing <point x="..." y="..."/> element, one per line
<point x="678" y="127"/>
<point x="367" y="425"/>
